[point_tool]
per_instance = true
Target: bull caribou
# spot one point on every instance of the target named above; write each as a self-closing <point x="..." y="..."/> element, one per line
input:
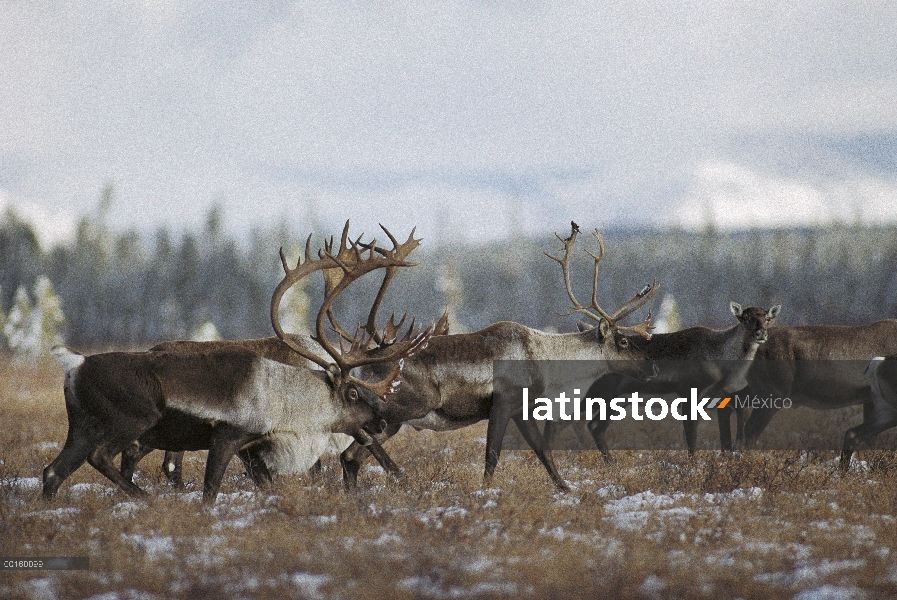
<point x="449" y="384"/>
<point x="277" y="416"/>
<point x="275" y="348"/>
<point x="272" y="348"/>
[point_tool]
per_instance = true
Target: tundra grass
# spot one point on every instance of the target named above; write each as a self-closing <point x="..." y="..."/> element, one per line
<point x="648" y="525"/>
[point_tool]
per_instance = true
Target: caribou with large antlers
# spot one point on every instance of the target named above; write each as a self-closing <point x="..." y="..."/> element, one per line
<point x="449" y="384"/>
<point x="231" y="400"/>
<point x="274" y="348"/>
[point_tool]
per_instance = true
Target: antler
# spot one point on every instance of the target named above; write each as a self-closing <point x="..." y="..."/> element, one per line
<point x="353" y="260"/>
<point x="627" y="309"/>
<point x="332" y="277"/>
<point x="291" y="276"/>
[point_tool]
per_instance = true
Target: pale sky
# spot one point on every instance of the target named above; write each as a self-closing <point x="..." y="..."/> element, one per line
<point x="470" y="119"/>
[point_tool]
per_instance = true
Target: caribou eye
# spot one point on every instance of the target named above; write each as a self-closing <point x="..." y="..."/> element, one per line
<point x="353" y="394"/>
<point x="623" y="343"/>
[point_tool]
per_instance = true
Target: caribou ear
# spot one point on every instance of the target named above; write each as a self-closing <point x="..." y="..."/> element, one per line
<point x="583" y="326"/>
<point x="736" y="309"/>
<point x="333" y="375"/>
<point x="604" y="329"/>
<point x="774" y="311"/>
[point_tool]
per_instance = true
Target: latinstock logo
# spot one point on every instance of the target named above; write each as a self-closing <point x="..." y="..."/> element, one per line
<point x="616" y="409"/>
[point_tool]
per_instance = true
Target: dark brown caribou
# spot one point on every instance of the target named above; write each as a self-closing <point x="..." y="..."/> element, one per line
<point x="230" y="400"/>
<point x="818" y="366"/>
<point x="714" y="361"/>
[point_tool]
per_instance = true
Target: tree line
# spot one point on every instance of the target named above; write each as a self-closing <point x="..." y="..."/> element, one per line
<point x="119" y="289"/>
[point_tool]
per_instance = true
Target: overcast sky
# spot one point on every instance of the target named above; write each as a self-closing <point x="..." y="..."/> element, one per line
<point x="469" y="119"/>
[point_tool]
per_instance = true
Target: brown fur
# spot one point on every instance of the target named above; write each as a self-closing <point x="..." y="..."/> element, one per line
<point x="812" y="387"/>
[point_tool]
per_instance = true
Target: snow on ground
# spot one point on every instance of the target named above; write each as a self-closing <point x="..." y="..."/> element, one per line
<point x="635" y="512"/>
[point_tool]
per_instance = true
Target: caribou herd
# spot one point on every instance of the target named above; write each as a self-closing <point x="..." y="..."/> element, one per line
<point x="282" y="402"/>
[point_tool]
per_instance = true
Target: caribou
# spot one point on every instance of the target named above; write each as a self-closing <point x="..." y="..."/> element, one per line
<point x="231" y="400"/>
<point x="277" y="349"/>
<point x="272" y="348"/>
<point x="449" y="384"/>
<point x="714" y="361"/>
<point x="817" y="366"/>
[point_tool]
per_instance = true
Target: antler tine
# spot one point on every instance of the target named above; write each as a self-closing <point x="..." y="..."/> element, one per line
<point x="395" y="243"/>
<point x="597" y="260"/>
<point x="442" y="326"/>
<point x="644" y="328"/>
<point x="637" y="301"/>
<point x="410" y="331"/>
<point x="397" y="351"/>
<point x="333" y="276"/>
<point x="391" y="330"/>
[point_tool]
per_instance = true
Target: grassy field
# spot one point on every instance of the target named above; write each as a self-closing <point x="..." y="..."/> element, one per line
<point x="650" y="525"/>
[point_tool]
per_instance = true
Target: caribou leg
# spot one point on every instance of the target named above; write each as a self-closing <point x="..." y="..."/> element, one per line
<point x="756" y="423"/>
<point x="875" y="420"/>
<point x="101" y="460"/>
<point x="226" y="441"/>
<point x="495" y="432"/>
<point x="172" y="467"/>
<point x="724" y="420"/>
<point x="132" y="455"/>
<point x="353" y="457"/>
<point x="598" y="429"/>
<point x="530" y="432"/>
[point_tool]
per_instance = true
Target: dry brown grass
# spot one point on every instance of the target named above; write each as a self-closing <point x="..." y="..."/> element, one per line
<point x="651" y="524"/>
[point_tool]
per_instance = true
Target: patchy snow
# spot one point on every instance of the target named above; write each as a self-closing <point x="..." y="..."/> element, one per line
<point x="388" y="538"/>
<point x="374" y="470"/>
<point x="129" y="594"/>
<point x="642" y="501"/>
<point x="309" y="584"/>
<point x="634" y="512"/>
<point x="127" y="509"/>
<point x="238" y="523"/>
<point x="79" y="490"/>
<point x="653" y="586"/>
<point x="566" y="500"/>
<point x="47" y="446"/>
<point x="831" y="592"/>
<point x="153" y="547"/>
<point x="435" y="515"/>
<point x="809" y="573"/>
<point x="611" y="491"/>
<point x="426" y="586"/>
<point x="480" y="565"/>
<point x="323" y="519"/>
<point x="55" y="513"/>
<point x="42" y="589"/>
<point x="24" y="484"/>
